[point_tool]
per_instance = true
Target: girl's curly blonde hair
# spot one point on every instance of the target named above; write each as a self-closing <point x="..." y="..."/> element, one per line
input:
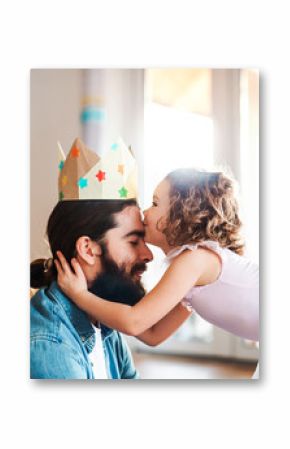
<point x="202" y="207"/>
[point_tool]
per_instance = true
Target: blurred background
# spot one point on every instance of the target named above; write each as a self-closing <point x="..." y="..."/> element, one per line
<point x="170" y="118"/>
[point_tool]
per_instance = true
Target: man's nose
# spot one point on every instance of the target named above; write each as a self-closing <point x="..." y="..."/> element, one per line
<point x="146" y="254"/>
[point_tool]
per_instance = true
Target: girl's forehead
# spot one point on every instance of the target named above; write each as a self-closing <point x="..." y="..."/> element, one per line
<point x="162" y="190"/>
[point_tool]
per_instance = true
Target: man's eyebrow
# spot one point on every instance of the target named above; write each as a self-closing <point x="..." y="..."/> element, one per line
<point x="135" y="232"/>
<point x="156" y="197"/>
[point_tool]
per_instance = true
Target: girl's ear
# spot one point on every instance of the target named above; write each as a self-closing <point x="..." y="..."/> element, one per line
<point x="87" y="249"/>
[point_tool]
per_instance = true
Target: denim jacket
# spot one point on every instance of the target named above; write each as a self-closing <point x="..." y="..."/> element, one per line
<point x="62" y="337"/>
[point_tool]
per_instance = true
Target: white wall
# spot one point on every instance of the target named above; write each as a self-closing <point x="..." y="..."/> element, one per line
<point x="54" y="114"/>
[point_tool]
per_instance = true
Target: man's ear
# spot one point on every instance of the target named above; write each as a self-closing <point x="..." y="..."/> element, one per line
<point x="87" y="249"/>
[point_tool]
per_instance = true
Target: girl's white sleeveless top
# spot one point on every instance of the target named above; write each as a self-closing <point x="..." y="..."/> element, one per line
<point x="232" y="301"/>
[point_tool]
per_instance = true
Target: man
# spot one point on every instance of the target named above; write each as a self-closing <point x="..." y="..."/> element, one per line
<point x="108" y="241"/>
<point x="97" y="220"/>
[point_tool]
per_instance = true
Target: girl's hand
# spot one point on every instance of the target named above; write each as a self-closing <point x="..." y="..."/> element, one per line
<point x="71" y="283"/>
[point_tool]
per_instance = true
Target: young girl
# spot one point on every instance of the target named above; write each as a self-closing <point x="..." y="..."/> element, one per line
<point x="194" y="220"/>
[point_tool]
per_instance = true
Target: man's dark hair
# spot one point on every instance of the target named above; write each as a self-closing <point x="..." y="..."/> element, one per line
<point x="70" y="220"/>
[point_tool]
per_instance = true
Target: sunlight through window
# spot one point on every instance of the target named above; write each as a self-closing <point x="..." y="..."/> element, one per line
<point x="174" y="139"/>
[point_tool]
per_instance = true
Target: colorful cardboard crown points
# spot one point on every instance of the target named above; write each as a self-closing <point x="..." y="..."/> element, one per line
<point x="85" y="175"/>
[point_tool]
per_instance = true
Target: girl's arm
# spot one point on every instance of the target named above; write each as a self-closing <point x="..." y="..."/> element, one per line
<point x="160" y="331"/>
<point x="184" y="272"/>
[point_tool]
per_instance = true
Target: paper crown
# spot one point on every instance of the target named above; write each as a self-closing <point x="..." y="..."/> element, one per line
<point x="84" y="175"/>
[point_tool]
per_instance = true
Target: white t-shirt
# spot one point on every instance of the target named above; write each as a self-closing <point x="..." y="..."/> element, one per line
<point x="97" y="356"/>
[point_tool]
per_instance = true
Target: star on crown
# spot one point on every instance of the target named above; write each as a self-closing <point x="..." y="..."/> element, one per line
<point x="85" y="175"/>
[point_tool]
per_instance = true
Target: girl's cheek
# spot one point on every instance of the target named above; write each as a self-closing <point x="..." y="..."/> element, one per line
<point x="148" y="217"/>
<point x="152" y="221"/>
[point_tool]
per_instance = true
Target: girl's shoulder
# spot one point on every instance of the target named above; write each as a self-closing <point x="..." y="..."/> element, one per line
<point x="233" y="268"/>
<point x="204" y="258"/>
<point x="208" y="244"/>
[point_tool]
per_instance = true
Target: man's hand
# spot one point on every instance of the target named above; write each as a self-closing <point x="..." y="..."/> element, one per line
<point x="73" y="284"/>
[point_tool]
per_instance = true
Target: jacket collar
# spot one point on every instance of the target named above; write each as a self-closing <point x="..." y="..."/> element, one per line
<point x="78" y="317"/>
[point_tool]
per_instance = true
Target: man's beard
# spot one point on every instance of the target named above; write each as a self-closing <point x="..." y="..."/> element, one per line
<point x="114" y="284"/>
